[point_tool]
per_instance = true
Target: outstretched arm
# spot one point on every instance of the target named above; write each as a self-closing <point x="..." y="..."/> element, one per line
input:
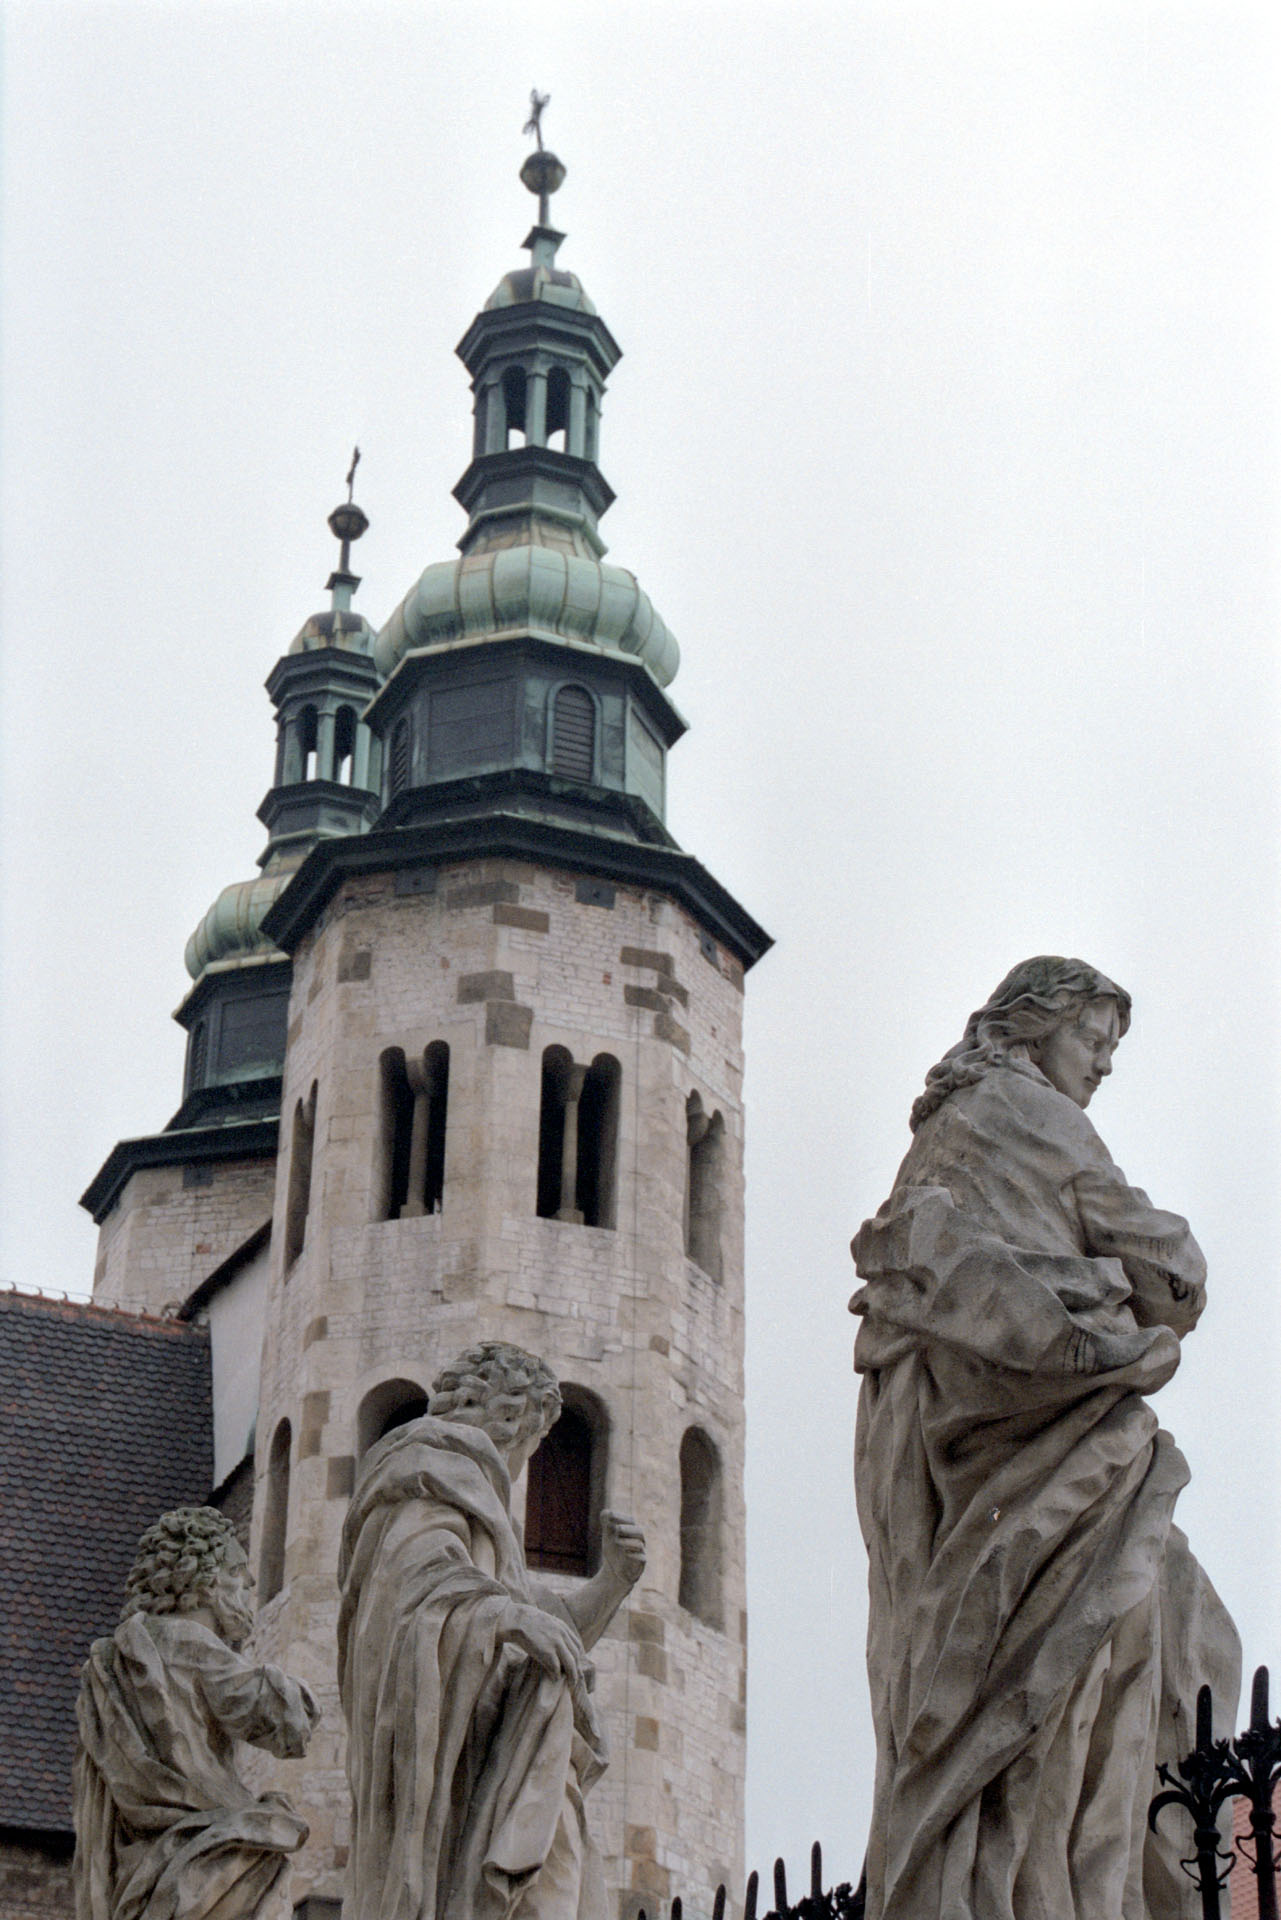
<point x="592" y="1606"/>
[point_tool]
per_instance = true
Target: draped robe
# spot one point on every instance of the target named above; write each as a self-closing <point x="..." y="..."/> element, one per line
<point x="1038" y="1628"/>
<point x="165" y="1827"/>
<point x="467" y="1762"/>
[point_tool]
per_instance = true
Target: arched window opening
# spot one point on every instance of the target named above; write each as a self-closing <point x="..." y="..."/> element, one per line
<point x="704" y="1186"/>
<point x="307" y="735"/>
<point x="298" y="1199"/>
<point x="574" y="734"/>
<point x="400" y="757"/>
<point x="592" y="445"/>
<point x="414" y="1105"/>
<point x="344" y="745"/>
<point x="558" y="409"/>
<point x="565" y="1489"/>
<point x="578" y="1139"/>
<point x="391" y="1404"/>
<point x="701" y="1501"/>
<point x="514" y="405"/>
<point x="275" y="1519"/>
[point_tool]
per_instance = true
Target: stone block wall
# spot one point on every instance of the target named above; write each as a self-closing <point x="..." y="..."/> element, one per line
<point x="501" y="960"/>
<point x="171" y="1226"/>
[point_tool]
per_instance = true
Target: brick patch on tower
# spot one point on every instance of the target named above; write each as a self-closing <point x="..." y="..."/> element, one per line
<point x="665" y="1028"/>
<point x="355" y="963"/>
<point x="317" y="1329"/>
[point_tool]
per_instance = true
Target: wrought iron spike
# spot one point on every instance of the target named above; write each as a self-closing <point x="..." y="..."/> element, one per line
<point x="816" y="1871"/>
<point x="753" y="1891"/>
<point x="780" y="1886"/>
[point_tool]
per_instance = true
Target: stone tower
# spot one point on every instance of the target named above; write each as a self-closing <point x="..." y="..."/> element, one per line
<point x="491" y="1013"/>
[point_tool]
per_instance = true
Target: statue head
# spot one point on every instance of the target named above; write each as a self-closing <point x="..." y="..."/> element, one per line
<point x="190" y="1562"/>
<point x="1062" y="1015"/>
<point x="508" y="1393"/>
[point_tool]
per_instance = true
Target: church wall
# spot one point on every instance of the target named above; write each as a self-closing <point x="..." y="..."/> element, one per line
<point x="500" y="961"/>
<point x="171" y="1226"/>
<point x="35" y="1879"/>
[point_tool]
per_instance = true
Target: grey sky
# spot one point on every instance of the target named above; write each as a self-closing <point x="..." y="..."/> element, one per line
<point x="946" y="442"/>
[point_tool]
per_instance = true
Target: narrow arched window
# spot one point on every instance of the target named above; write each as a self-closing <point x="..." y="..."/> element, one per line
<point x="298" y="1198"/>
<point x="565" y="1489"/>
<point x="410" y="1176"/>
<point x="578" y="1139"/>
<point x="704" y="1186"/>
<point x="275" y="1519"/>
<point x="558" y="408"/>
<point x="344" y="745"/>
<point x="307" y="735"/>
<point x="514" y="405"/>
<point x="701" y="1501"/>
<point x="400" y="757"/>
<point x="391" y="1404"/>
<point x="592" y="445"/>
<point x="197" y="1056"/>
<point x="574" y="734"/>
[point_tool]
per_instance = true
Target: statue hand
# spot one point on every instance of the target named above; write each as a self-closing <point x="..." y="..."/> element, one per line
<point x="547" y="1640"/>
<point x="622" y="1548"/>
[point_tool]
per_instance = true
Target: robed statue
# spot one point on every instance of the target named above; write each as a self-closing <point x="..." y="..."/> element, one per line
<point x="1038" y="1627"/>
<point x="166" y="1829"/>
<point x="472" y="1736"/>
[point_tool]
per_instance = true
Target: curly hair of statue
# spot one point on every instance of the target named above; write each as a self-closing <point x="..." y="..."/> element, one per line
<point x="1033" y="999"/>
<point x="494" y="1370"/>
<point x="179" y="1557"/>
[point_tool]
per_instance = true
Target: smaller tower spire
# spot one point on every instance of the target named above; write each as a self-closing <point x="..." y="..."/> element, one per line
<point x="346" y="523"/>
<point x="543" y="174"/>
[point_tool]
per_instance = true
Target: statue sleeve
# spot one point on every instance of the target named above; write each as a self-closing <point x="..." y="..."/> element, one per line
<point x="1162" y="1261"/>
<point x="262" y="1705"/>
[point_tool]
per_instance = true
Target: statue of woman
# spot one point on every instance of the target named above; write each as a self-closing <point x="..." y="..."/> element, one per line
<point x="1038" y="1628"/>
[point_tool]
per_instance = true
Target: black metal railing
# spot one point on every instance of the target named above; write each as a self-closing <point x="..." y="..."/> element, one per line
<point x="1247" y="1768"/>
<point x="843" y="1902"/>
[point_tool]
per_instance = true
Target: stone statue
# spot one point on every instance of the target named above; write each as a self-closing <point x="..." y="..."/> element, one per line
<point x="165" y="1827"/>
<point x="471" y="1734"/>
<point x="1038" y="1628"/>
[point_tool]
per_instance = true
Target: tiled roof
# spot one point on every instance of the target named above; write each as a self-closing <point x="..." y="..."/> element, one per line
<point x="105" y="1422"/>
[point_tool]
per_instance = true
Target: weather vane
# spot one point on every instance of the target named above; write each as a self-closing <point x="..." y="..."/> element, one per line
<point x="537" y="104"/>
<point x="351" y="473"/>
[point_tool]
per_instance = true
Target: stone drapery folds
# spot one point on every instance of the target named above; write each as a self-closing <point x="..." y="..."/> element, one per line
<point x="1038" y="1628"/>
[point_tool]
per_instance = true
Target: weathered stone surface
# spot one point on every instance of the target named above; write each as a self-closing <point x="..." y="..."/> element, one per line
<point x="476" y="1802"/>
<point x="1038" y="1628"/>
<point x="164" y="1823"/>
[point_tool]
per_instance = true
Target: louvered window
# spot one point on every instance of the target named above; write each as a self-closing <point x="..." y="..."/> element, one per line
<point x="574" y="734"/>
<point x="400" y="757"/>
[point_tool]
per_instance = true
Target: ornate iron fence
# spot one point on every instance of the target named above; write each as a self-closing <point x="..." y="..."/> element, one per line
<point x="1216" y="1771"/>
<point x="843" y="1902"/>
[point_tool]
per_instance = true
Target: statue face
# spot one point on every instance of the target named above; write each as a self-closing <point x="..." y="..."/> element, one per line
<point x="231" y="1599"/>
<point x="1076" y="1056"/>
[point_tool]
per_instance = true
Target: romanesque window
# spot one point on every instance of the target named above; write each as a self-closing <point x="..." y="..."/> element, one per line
<point x="578" y="1139"/>
<point x="307" y="736"/>
<point x="298" y="1199"/>
<point x="514" y="404"/>
<point x="390" y="1404"/>
<point x="701" y="1502"/>
<point x="344" y="745"/>
<point x="565" y="1489"/>
<point x="197" y="1056"/>
<point x="704" y="1185"/>
<point x="558" y="409"/>
<point x="574" y="734"/>
<point x="275" y="1520"/>
<point x="410" y="1179"/>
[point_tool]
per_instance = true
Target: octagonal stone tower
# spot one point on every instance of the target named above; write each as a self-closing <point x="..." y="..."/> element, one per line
<point x="510" y="1098"/>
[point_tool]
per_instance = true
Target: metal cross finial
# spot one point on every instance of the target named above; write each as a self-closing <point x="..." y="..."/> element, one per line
<point x="351" y="473"/>
<point x="537" y="102"/>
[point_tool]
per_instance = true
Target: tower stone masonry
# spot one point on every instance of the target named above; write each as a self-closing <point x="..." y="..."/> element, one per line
<point x="481" y="1018"/>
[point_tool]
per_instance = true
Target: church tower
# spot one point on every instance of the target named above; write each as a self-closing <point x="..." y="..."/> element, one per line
<point x="491" y="1015"/>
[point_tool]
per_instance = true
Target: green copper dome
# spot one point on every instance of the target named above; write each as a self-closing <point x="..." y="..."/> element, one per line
<point x="232" y="928"/>
<point x="336" y="627"/>
<point x="529" y="589"/>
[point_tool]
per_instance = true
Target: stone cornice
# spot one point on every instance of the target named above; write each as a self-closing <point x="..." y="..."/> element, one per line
<point x="241" y="1140"/>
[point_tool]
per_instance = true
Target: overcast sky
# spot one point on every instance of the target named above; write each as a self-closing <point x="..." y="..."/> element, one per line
<point x="945" y="440"/>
